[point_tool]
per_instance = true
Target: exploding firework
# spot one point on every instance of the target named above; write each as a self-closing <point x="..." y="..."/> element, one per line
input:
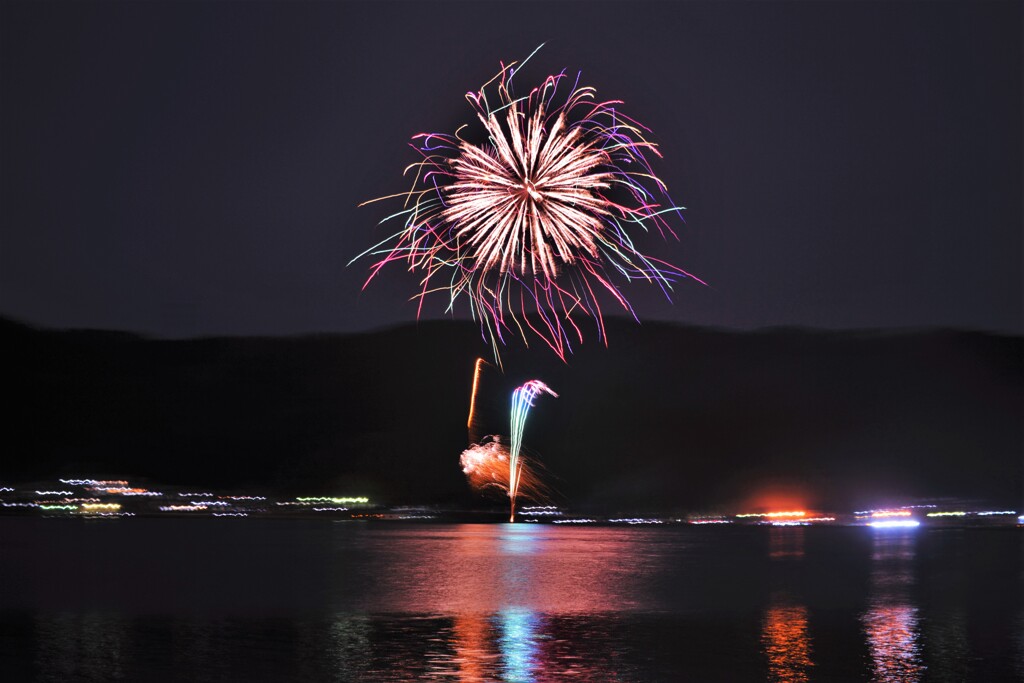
<point x="522" y="401"/>
<point x="486" y="466"/>
<point x="538" y="218"/>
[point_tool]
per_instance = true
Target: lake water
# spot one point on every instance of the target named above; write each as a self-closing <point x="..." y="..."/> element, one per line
<point x="281" y="600"/>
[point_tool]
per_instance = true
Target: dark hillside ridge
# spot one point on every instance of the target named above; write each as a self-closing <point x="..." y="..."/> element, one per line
<point x="665" y="417"/>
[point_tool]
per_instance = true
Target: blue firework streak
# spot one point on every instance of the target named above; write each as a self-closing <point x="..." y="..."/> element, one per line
<point x="522" y="400"/>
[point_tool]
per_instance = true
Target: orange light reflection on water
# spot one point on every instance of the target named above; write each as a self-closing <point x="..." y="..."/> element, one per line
<point x="786" y="543"/>
<point x="786" y="643"/>
<point x="474" y="648"/>
<point x="489" y="568"/>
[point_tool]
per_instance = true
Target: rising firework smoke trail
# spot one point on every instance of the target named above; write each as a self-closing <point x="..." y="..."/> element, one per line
<point x="470" y="427"/>
<point x="534" y="222"/>
<point x="522" y="400"/>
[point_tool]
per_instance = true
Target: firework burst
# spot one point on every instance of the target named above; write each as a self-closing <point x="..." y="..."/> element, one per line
<point x="532" y="224"/>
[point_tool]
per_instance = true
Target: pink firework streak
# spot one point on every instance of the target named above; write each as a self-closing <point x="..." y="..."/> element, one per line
<point x="537" y="219"/>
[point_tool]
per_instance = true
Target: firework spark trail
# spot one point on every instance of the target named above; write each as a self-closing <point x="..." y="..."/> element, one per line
<point x="537" y="219"/>
<point x="522" y="400"/>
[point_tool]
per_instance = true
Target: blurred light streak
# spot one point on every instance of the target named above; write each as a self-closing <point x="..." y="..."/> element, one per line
<point x="101" y="507"/>
<point x="636" y="520"/>
<point x="129" y="491"/>
<point x="541" y="510"/>
<point x="108" y="514"/>
<point x="773" y="515"/>
<point x="895" y="524"/>
<point x="337" y="501"/>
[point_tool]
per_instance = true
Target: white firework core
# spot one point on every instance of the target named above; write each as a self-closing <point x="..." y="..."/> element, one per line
<point x="527" y="202"/>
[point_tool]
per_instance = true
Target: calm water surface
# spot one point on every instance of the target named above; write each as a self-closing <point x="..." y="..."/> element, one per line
<point x="248" y="599"/>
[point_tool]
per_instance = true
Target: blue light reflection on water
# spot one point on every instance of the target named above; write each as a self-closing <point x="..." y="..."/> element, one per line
<point x="521" y="539"/>
<point x="518" y="625"/>
<point x="518" y="643"/>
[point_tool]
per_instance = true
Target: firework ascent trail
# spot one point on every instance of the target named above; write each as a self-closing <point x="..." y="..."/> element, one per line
<point x="538" y="219"/>
<point x="470" y="425"/>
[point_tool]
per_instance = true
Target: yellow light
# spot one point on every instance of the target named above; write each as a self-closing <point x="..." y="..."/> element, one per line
<point x="101" y="507"/>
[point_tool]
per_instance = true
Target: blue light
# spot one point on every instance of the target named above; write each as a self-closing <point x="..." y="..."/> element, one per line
<point x="518" y="643"/>
<point x="895" y="524"/>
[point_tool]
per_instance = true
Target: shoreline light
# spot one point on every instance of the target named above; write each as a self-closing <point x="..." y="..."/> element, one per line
<point x="336" y="501"/>
<point x="895" y="524"/>
<point x="774" y="515"/>
<point x="890" y="513"/>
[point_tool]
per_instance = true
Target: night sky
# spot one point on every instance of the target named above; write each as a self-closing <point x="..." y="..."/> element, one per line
<point x="191" y="168"/>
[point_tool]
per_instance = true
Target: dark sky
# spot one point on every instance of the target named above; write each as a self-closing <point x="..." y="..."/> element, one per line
<point x="193" y="168"/>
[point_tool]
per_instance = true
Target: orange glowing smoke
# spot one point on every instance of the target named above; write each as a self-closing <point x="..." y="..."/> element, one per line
<point x="774" y="495"/>
<point x="486" y="467"/>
